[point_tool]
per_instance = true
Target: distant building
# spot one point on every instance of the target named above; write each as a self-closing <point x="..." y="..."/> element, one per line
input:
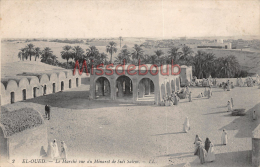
<point x="240" y="44"/>
<point x="216" y="45"/>
<point x="183" y="38"/>
<point x="219" y="40"/>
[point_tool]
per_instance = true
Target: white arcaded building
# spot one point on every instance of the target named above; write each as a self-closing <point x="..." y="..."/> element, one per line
<point x="31" y="85"/>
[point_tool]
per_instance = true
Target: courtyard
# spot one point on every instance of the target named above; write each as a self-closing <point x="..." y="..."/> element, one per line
<point x="149" y="135"/>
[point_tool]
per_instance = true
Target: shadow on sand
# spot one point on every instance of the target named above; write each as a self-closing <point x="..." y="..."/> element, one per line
<point x="243" y="124"/>
<point x="76" y="100"/>
<point x="168" y="133"/>
<point x="218" y="112"/>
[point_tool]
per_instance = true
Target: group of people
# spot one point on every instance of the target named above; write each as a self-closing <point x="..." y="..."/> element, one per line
<point x="227" y="86"/>
<point x="207" y="93"/>
<point x="53" y="151"/>
<point x="250" y="82"/>
<point x="205" y="152"/>
<point x="171" y="100"/>
<point x="174" y="98"/>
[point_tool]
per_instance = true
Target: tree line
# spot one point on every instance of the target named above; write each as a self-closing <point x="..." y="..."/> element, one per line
<point x="204" y="64"/>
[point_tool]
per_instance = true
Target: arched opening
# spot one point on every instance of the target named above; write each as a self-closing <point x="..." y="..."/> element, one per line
<point x="12" y="97"/>
<point x="173" y="85"/>
<point x="53" y="88"/>
<point x="77" y="82"/>
<point x="44" y="89"/>
<point x="24" y="94"/>
<point x="62" y="86"/>
<point x="124" y="87"/>
<point x="162" y="91"/>
<point x="102" y="88"/>
<point x="177" y="84"/>
<point x="168" y="88"/>
<point x="34" y="92"/>
<point x="146" y="90"/>
<point x="70" y="83"/>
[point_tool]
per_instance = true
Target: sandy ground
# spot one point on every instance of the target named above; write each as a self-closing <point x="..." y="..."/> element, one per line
<point x="151" y="135"/>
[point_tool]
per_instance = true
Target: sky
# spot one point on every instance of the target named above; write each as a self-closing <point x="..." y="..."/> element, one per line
<point x="142" y="18"/>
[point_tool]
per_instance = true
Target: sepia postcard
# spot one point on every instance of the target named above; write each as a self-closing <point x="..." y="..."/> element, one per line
<point x="130" y="83"/>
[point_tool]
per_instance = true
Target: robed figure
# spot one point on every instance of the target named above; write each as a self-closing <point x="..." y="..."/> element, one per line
<point x="224" y="137"/>
<point x="186" y="125"/>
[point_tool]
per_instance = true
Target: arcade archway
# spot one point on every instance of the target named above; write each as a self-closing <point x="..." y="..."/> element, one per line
<point x="146" y="90"/>
<point x="102" y="88"/>
<point x="124" y="87"/>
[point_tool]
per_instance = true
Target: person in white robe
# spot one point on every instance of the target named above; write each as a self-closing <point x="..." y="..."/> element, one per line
<point x="211" y="154"/>
<point x="55" y="149"/>
<point x="224" y="137"/>
<point x="254" y="115"/>
<point x="186" y="125"/>
<point x="197" y="143"/>
<point x="64" y="152"/>
<point x="229" y="105"/>
<point x="199" y="96"/>
<point x="50" y="151"/>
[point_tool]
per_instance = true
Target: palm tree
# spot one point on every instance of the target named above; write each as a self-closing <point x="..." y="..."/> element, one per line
<point x="46" y="54"/>
<point x="54" y="59"/>
<point x="111" y="48"/>
<point x="37" y="52"/>
<point x="209" y="64"/>
<point x="66" y="53"/>
<point x="173" y="55"/>
<point x="123" y="55"/>
<point x="78" y="54"/>
<point x="22" y="54"/>
<point x="103" y="58"/>
<point x="30" y="50"/>
<point x="230" y="66"/>
<point x="198" y="63"/>
<point x="138" y="52"/>
<point x="158" y="55"/>
<point x="186" y="55"/>
<point x="92" y="55"/>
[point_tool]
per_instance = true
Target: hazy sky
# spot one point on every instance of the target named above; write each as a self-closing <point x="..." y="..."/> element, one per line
<point x="110" y="18"/>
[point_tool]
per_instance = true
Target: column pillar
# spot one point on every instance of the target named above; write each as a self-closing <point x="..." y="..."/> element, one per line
<point x="135" y="89"/>
<point x="92" y="89"/>
<point x="113" y="89"/>
<point x="141" y="87"/>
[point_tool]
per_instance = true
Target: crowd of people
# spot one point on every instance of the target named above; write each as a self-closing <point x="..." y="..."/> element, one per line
<point x="174" y="98"/>
<point x="206" y="93"/>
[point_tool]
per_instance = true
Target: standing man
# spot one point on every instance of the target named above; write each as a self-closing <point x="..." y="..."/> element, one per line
<point x="47" y="111"/>
<point x="224" y="137"/>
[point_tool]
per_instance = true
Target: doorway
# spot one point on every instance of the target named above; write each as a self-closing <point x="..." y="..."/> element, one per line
<point x="12" y="97"/>
<point x="24" y="94"/>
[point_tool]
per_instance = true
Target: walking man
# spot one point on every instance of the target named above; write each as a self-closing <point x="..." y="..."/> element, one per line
<point x="47" y="111"/>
